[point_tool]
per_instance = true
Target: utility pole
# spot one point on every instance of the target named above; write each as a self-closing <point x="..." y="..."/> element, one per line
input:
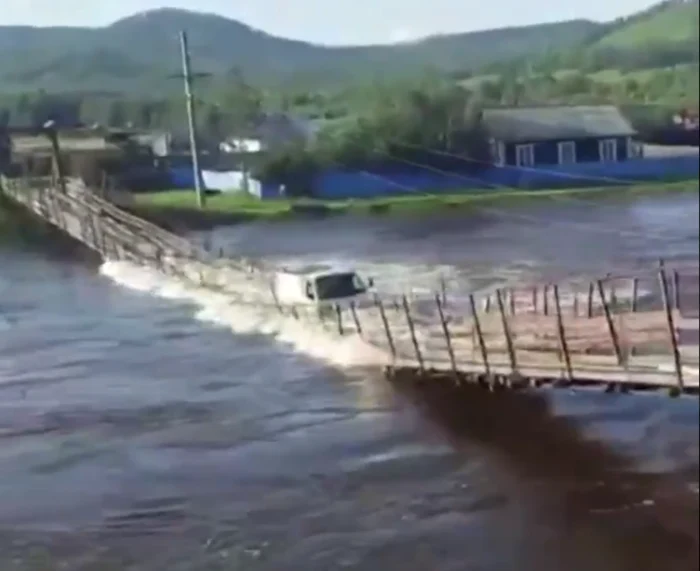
<point x="191" y="120"/>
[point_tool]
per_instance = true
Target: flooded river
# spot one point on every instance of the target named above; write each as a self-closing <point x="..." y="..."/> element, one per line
<point x="139" y="431"/>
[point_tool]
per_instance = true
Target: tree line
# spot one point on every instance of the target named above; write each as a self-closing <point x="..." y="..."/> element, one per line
<point x="373" y="124"/>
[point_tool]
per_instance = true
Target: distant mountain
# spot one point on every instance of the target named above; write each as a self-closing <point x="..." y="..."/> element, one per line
<point x="143" y="49"/>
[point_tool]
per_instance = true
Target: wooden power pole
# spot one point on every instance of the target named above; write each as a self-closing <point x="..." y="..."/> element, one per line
<point x="191" y="119"/>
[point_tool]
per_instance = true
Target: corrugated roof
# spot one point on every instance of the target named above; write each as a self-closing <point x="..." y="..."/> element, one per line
<point x="515" y="124"/>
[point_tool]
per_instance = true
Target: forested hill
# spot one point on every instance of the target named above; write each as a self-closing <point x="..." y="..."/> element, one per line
<point x="142" y="49"/>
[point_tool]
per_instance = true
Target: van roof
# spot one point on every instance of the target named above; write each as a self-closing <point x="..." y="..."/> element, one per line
<point x="316" y="270"/>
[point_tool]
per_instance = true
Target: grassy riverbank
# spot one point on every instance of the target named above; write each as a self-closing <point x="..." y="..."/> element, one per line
<point x="180" y="207"/>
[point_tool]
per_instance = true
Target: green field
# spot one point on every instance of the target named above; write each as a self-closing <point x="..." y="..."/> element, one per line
<point x="244" y="207"/>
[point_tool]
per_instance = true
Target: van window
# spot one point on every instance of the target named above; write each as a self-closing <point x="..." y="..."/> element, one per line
<point x="339" y="285"/>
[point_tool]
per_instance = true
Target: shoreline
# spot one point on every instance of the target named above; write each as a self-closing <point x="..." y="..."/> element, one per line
<point x="177" y="210"/>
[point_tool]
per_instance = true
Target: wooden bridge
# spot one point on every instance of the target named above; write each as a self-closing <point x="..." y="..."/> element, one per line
<point x="621" y="332"/>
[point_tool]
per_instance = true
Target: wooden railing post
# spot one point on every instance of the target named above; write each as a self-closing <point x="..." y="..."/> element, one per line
<point x="339" y="317"/>
<point x="545" y="300"/>
<point x="356" y="318"/>
<point x="273" y="292"/>
<point x="671" y="328"/>
<point x="448" y="338"/>
<point x="589" y="301"/>
<point x="561" y="334"/>
<point x="412" y="331"/>
<point x="511" y="299"/>
<point x="635" y="294"/>
<point x="507" y="333"/>
<point x="677" y="290"/>
<point x="479" y="335"/>
<point x="385" y="323"/>
<point x="611" y="326"/>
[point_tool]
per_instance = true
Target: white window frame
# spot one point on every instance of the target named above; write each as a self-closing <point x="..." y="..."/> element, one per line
<point x="529" y="151"/>
<point x="607" y="144"/>
<point x="567" y="152"/>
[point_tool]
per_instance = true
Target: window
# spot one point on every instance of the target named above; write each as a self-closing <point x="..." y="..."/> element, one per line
<point x="607" y="149"/>
<point x="334" y="286"/>
<point x="525" y="155"/>
<point x="567" y="152"/>
<point x="634" y="149"/>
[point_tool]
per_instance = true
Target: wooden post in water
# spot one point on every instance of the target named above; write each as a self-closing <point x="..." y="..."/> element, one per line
<point x="589" y="304"/>
<point x="487" y="305"/>
<point x="562" y="334"/>
<point x="385" y="323"/>
<point x="339" y="318"/>
<point x="443" y="289"/>
<point x="671" y="328"/>
<point x="635" y="294"/>
<point x="545" y="300"/>
<point x="275" y="298"/>
<point x="611" y="326"/>
<point x="575" y="303"/>
<point x="511" y="299"/>
<point x="412" y="330"/>
<point x="448" y="338"/>
<point x="534" y="299"/>
<point x="677" y="290"/>
<point x="613" y="293"/>
<point x="507" y="333"/>
<point x="479" y="335"/>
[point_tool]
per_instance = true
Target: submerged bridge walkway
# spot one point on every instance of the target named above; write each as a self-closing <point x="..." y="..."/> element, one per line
<point x="623" y="333"/>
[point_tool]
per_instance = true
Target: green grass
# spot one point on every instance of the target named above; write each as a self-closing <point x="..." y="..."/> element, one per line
<point x="243" y="207"/>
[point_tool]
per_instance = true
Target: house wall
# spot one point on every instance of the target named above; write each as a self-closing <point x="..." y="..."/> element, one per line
<point x="587" y="150"/>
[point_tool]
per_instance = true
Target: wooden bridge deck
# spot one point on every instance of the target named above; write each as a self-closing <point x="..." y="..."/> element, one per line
<point x="634" y="331"/>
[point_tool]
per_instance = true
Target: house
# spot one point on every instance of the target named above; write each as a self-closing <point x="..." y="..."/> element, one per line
<point x="273" y="131"/>
<point x="559" y="135"/>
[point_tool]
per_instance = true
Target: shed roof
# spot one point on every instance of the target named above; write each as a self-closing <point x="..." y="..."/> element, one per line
<point x="521" y="124"/>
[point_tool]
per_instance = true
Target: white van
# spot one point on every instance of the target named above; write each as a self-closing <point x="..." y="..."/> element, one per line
<point x="321" y="286"/>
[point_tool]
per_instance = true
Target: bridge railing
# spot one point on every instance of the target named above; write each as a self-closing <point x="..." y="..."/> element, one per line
<point x="618" y="328"/>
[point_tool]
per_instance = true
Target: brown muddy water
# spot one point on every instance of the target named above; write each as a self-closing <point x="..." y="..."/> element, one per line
<point x="135" y="435"/>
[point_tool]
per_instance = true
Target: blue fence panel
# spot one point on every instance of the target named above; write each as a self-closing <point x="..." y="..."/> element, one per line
<point x="337" y="184"/>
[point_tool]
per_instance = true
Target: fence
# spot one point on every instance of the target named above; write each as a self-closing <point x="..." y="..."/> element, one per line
<point x="620" y="330"/>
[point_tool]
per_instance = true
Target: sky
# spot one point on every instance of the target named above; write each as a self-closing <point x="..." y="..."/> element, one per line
<point x="334" y="22"/>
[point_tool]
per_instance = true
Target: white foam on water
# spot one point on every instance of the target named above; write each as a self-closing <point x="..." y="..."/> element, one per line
<point x="248" y="318"/>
